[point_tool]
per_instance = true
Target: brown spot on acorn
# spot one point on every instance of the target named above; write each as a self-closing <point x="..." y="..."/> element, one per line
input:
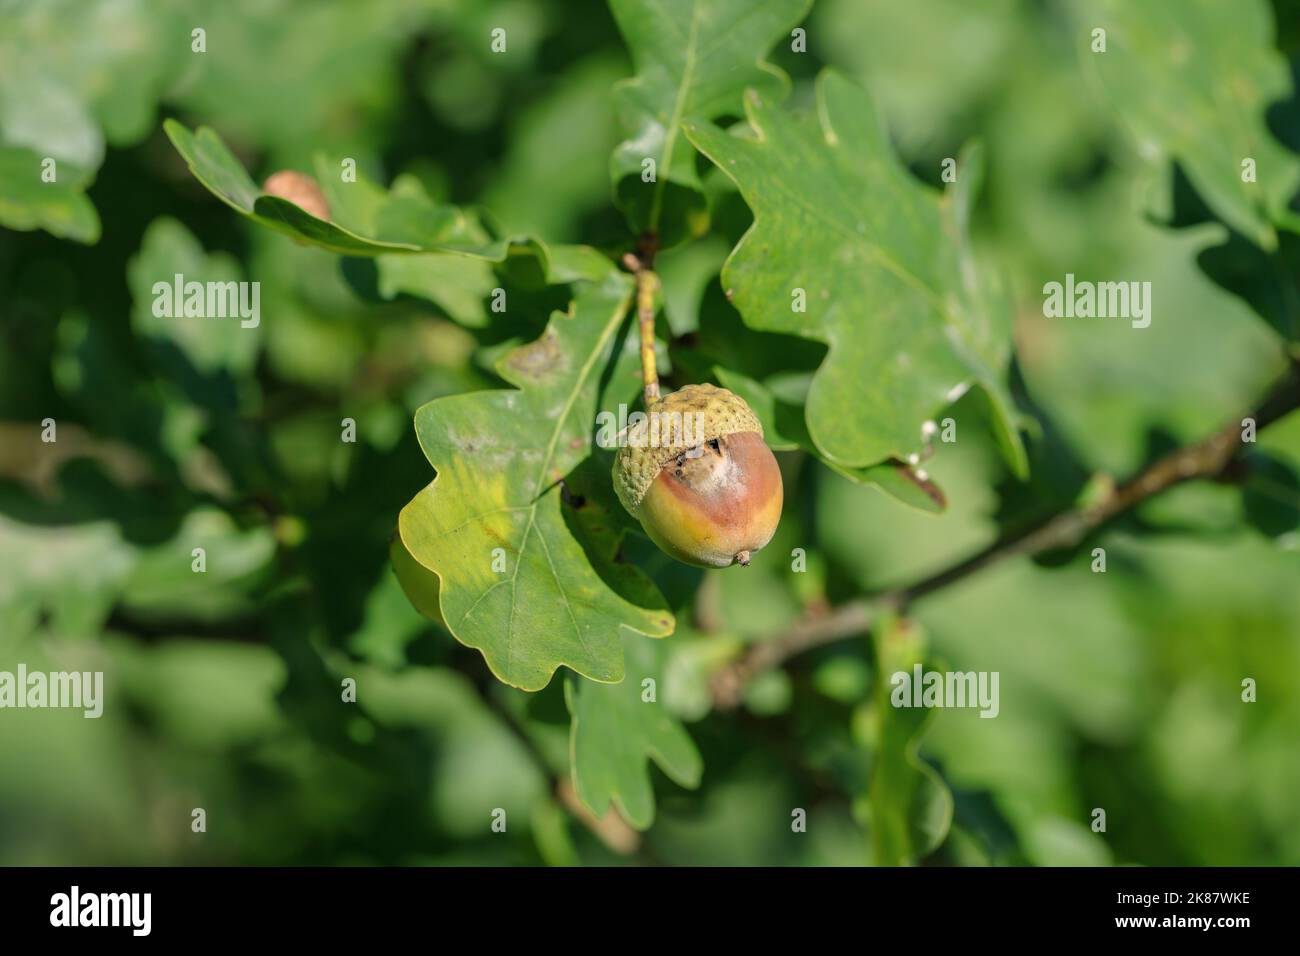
<point x="711" y="503"/>
<point x="300" y="189"/>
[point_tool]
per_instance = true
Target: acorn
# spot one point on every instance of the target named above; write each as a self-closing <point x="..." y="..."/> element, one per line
<point x="300" y="189"/>
<point x="699" y="477"/>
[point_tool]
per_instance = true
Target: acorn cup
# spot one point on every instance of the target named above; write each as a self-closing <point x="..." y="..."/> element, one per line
<point x="708" y="496"/>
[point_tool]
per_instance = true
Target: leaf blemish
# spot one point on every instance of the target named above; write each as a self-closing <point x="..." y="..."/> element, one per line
<point x="537" y="358"/>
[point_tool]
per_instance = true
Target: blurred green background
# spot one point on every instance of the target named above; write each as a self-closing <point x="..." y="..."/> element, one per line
<point x="1119" y="691"/>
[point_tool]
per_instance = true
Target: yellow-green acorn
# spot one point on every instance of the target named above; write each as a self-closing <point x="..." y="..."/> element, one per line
<point x="699" y="477"/>
<point x="300" y="189"/>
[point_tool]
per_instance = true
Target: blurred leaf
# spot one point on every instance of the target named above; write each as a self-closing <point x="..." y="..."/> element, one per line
<point x="208" y="694"/>
<point x="212" y="343"/>
<point x="910" y="806"/>
<point x="685" y="271"/>
<point x="783" y="426"/>
<point x="929" y="91"/>
<point x="412" y="224"/>
<point x="769" y="694"/>
<point x="501" y="457"/>
<point x="693" y="58"/>
<point x="478" y="764"/>
<point x="1271" y="495"/>
<point x="843" y="678"/>
<point x="390" y="623"/>
<point x="60" y="208"/>
<point x="1268" y="280"/>
<point x="340" y="84"/>
<point x="838" y="218"/>
<point x="114" y="58"/>
<point x="544" y="191"/>
<point x="615" y="731"/>
<point x="1203" y="360"/>
<point x="164" y="584"/>
<point x="1192" y="79"/>
<point x="73" y="74"/>
<point x="72" y="573"/>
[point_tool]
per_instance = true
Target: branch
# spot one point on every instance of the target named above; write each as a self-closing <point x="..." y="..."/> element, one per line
<point x="1209" y="458"/>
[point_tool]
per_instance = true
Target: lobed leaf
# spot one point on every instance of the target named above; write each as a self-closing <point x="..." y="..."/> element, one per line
<point x="881" y="261"/>
<point x="784" y="429"/>
<point x="615" y="732"/>
<point x="1192" y="80"/>
<point x="693" y="58"/>
<point x="403" y="223"/>
<point x="909" y="806"/>
<point x="28" y="202"/>
<point x="502" y="457"/>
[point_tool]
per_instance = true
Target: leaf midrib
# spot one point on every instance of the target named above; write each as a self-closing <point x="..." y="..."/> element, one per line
<point x="597" y="349"/>
<point x="675" y="119"/>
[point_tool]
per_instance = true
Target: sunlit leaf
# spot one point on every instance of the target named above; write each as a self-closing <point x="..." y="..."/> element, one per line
<point x="514" y="580"/>
<point x="849" y="249"/>
<point x="693" y="58"/>
<point x="618" y="728"/>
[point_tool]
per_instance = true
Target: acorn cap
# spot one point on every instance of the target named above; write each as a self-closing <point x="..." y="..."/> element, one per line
<point x="638" y="461"/>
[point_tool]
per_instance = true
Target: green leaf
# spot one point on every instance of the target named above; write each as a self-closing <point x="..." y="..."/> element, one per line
<point x="210" y="694"/>
<point x="211" y="343"/>
<point x="73" y="586"/>
<point x="909" y="805"/>
<point x="501" y="457"/>
<point x="1268" y="280"/>
<point x="431" y="250"/>
<point x="60" y="208"/>
<point x="73" y="75"/>
<point x="887" y="279"/>
<point x="615" y="733"/>
<point x="216" y="167"/>
<point x="685" y="272"/>
<point x="546" y="191"/>
<point x="404" y="222"/>
<point x="1192" y="80"/>
<point x="108" y="60"/>
<point x="476" y="762"/>
<point x="325" y="99"/>
<point x="1271" y="496"/>
<point x="692" y="58"/>
<point x="457" y="284"/>
<point x="163" y="582"/>
<point x="784" y="430"/>
<point x="1204" y="359"/>
<point x="926" y="90"/>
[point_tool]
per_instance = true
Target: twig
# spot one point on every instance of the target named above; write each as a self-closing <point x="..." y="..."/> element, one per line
<point x="641" y="265"/>
<point x="610" y="829"/>
<point x="1208" y="458"/>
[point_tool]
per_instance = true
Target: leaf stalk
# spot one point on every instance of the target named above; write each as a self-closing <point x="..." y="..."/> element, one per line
<point x="641" y="265"/>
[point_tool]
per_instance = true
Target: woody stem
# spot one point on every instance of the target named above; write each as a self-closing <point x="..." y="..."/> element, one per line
<point x="647" y="285"/>
<point x="1208" y="458"/>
